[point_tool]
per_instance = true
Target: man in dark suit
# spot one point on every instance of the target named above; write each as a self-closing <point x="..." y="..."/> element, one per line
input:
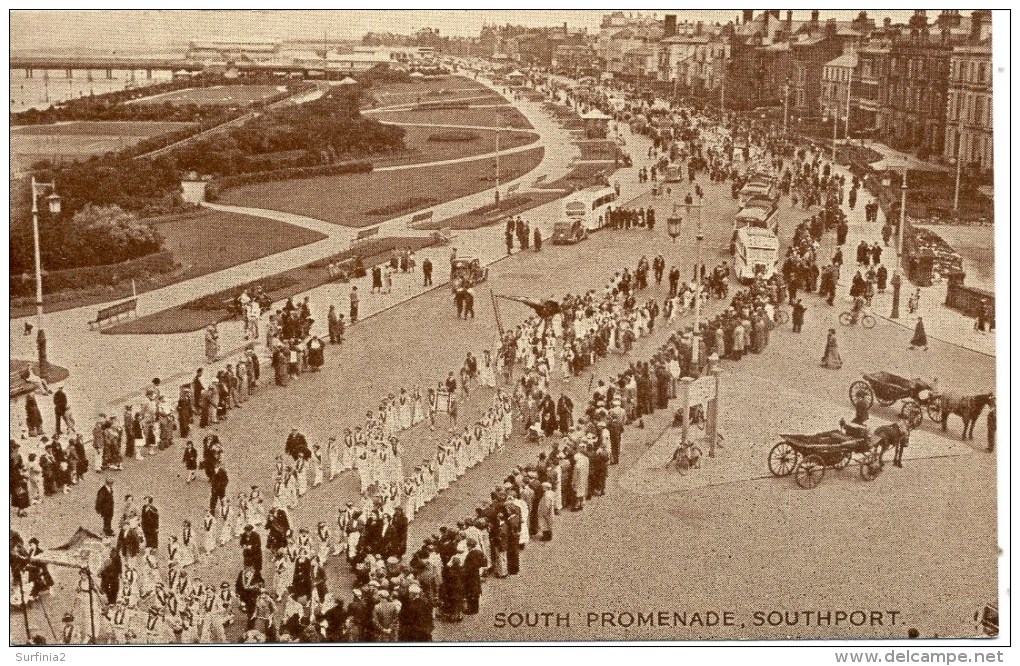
<point x="474" y="564"/>
<point x="251" y="548"/>
<point x="248" y="585"/>
<point x="218" y="481"/>
<point x="104" y="506"/>
<point x="416" y="617"/>
<point x="150" y="523"/>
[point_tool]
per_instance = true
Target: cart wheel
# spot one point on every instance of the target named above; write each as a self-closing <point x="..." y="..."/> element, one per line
<point x="846" y="319"/>
<point x="870" y="467"/>
<point x="810" y="472"/>
<point x="867" y="321"/>
<point x="844" y="461"/>
<point x="934" y="409"/>
<point x="782" y="317"/>
<point x="911" y="411"/>
<point x="782" y="459"/>
<point x="861" y="393"/>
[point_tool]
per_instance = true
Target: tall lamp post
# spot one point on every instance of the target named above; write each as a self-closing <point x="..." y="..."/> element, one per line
<point x="53" y="204"/>
<point x="673" y="227"/>
<point x="786" y="105"/>
<point x="897" y="280"/>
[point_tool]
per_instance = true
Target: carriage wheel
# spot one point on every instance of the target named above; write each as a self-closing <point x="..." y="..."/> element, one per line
<point x="782" y="459"/>
<point x="867" y="321"/>
<point x="934" y="409"/>
<point x="861" y="393"/>
<point x="911" y="411"/>
<point x="810" y="472"/>
<point x="870" y="467"/>
<point x="844" y="462"/>
<point x="846" y="319"/>
<point x="782" y="317"/>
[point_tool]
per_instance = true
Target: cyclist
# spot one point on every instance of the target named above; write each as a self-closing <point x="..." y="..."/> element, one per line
<point x="858" y="308"/>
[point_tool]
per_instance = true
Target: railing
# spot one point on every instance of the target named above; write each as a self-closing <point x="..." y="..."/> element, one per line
<point x="967" y="300"/>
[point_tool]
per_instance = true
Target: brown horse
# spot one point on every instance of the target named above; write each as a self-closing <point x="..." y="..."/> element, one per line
<point x="967" y="407"/>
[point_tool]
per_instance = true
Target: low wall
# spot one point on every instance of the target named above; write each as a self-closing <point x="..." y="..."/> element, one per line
<point x="966" y="299"/>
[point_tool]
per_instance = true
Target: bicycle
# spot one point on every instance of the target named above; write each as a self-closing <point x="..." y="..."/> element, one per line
<point x="686" y="457"/>
<point x="850" y="318"/>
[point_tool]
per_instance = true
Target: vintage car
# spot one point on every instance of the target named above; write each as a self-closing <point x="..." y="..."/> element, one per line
<point x="568" y="233"/>
<point x="468" y="270"/>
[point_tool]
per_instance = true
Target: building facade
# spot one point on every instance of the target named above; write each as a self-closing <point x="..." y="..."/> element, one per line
<point x="969" y="107"/>
<point x="837" y="86"/>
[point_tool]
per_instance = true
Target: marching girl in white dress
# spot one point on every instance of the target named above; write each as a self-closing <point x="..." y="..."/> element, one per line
<point x="324" y="539"/>
<point x="279" y="488"/>
<point x="226" y="522"/>
<point x="428" y="481"/>
<point x="404" y="406"/>
<point x="316" y="461"/>
<point x="208" y="527"/>
<point x="411" y="496"/>
<point x="487" y="373"/>
<point x="186" y="546"/>
<point x="347" y="452"/>
<point x="289" y="491"/>
<point x="417" y="407"/>
<point x="281" y="581"/>
<point x="301" y="476"/>
<point x="130" y="587"/>
<point x="257" y="509"/>
<point x="150" y="572"/>
<point x="242" y="514"/>
<point x="332" y="459"/>
<point x="442" y="482"/>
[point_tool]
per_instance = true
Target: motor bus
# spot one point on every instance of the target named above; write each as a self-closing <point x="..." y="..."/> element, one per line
<point x="589" y="206"/>
<point x="761" y="212"/>
<point x="755" y="253"/>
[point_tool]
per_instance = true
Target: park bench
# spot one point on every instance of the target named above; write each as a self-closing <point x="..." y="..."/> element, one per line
<point x="113" y="312"/>
<point x="365" y="234"/>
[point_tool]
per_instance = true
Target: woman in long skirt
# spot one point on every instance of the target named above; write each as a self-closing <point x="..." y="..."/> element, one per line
<point x="212" y="343"/>
<point x="831" y="358"/>
<point x="209" y="528"/>
<point x="920" y="339"/>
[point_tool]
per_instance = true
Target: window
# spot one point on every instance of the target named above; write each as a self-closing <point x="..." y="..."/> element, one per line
<point x="981" y="73"/>
<point x="979" y="109"/>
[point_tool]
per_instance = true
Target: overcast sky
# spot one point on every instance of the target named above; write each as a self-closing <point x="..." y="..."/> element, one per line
<point x="148" y="29"/>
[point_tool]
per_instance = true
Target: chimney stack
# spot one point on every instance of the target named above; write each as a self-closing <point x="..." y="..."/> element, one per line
<point x="788" y="30"/>
<point x="748" y="15"/>
<point x="980" y="24"/>
<point x="814" y="18"/>
<point x="669" y="26"/>
<point x="830" y="27"/>
<point x="698" y="28"/>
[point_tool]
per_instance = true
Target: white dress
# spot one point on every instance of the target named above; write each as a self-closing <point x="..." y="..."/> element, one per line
<point x="316" y="469"/>
<point x="209" y="525"/>
<point x="301" y="474"/>
<point x="487" y="374"/>
<point x="404" y="412"/>
<point x="227" y="527"/>
<point x="186" y="550"/>
<point x="417" y="409"/>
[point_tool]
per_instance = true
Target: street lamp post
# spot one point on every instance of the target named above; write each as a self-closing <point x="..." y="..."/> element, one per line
<point x="673" y="223"/>
<point x="897" y="280"/>
<point x="956" y="188"/>
<point x="786" y="105"/>
<point x="53" y="203"/>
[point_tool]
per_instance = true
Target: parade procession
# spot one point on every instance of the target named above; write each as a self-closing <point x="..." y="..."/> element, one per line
<point x="700" y="262"/>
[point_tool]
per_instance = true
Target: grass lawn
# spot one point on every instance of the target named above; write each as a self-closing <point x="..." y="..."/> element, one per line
<point x="235" y="95"/>
<point x="389" y="94"/>
<point x="202" y="243"/>
<point x="424" y="150"/>
<point x="77" y="140"/>
<point x="484" y="117"/>
<point x="344" y="199"/>
<point x="185" y="319"/>
<point x="486" y="215"/>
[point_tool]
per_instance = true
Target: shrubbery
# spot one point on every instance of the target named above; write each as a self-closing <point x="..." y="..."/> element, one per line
<point x="220" y="185"/>
<point x="23" y="285"/>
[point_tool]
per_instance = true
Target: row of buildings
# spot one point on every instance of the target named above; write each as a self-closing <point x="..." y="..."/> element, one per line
<point x="323" y="55"/>
<point x="923" y="87"/>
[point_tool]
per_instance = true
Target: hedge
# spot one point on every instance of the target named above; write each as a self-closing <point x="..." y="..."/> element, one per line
<point x="218" y="186"/>
<point x="23" y="285"/>
<point x="402" y="206"/>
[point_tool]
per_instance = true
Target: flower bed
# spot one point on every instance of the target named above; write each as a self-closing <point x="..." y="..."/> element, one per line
<point x="454" y="135"/>
<point x="414" y="203"/>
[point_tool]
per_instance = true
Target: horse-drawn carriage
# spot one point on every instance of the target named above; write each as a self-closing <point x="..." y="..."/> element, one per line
<point x="808" y="456"/>
<point x="918" y="396"/>
<point x="468" y="271"/>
